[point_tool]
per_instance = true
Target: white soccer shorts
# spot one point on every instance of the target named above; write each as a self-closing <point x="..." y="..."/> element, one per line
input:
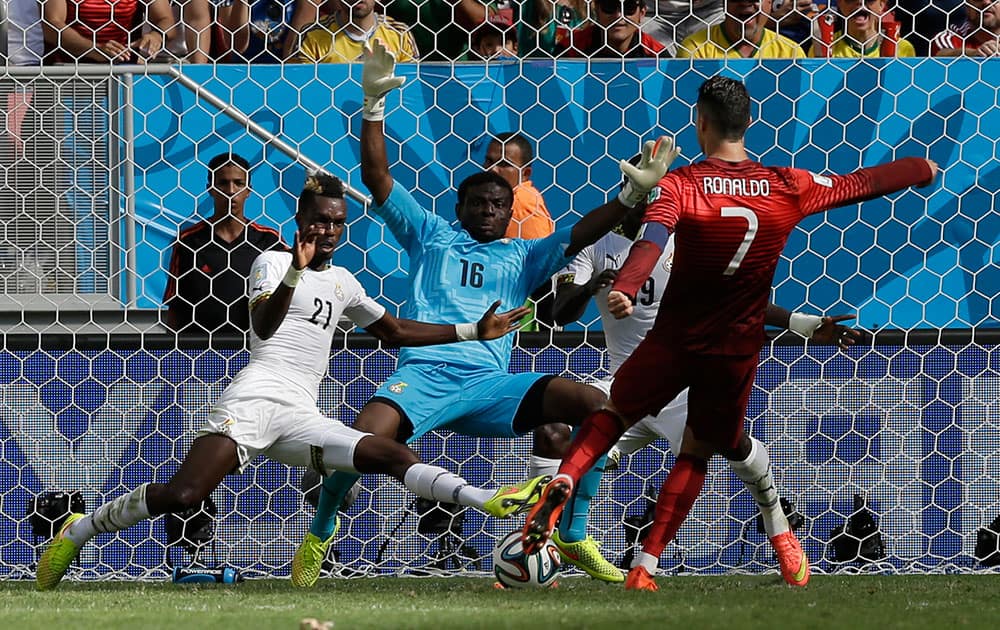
<point x="291" y="432"/>
<point x="668" y="424"/>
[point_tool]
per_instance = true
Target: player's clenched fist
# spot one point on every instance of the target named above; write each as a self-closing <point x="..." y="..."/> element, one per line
<point x="619" y="304"/>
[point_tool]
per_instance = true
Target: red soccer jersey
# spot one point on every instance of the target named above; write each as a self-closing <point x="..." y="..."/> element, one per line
<point x="958" y="37"/>
<point x="731" y="222"/>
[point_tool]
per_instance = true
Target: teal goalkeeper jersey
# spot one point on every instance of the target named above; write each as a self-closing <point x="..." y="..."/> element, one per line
<point x="455" y="278"/>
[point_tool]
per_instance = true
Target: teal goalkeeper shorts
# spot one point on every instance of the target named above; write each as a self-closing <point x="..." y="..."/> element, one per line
<point x="479" y="403"/>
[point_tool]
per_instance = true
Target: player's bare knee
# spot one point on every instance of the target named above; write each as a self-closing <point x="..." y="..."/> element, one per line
<point x="694" y="447"/>
<point x="378" y="454"/>
<point x="378" y="419"/>
<point x="183" y="496"/>
<point x="573" y="401"/>
<point x="551" y="440"/>
<point x="594" y="399"/>
<point x="739" y="452"/>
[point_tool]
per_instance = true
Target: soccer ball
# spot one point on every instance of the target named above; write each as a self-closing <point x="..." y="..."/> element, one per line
<point x="516" y="569"/>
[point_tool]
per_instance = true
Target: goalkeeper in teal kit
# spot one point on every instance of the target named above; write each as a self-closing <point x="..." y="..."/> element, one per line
<point x="453" y="273"/>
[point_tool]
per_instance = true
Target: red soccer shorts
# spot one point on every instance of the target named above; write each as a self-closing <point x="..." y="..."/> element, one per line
<point x="719" y="389"/>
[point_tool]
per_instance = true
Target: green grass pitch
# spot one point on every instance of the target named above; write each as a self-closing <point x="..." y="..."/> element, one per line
<point x="732" y="602"/>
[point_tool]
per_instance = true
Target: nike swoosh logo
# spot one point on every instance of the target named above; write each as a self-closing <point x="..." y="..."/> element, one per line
<point x="259" y="287"/>
<point x="803" y="569"/>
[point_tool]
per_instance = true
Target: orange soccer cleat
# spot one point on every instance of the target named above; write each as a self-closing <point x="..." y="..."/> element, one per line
<point x="792" y="560"/>
<point x="639" y="579"/>
<point x="544" y="515"/>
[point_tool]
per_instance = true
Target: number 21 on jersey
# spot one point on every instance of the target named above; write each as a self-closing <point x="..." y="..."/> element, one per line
<point x="751" y="233"/>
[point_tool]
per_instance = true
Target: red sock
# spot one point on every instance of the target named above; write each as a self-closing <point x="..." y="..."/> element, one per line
<point x="598" y="434"/>
<point x="682" y="487"/>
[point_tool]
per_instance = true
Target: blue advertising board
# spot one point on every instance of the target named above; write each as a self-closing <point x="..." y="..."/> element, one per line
<point x="911" y="429"/>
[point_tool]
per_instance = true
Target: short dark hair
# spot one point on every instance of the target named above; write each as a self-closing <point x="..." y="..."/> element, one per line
<point x="726" y="103"/>
<point x="483" y="177"/>
<point x="512" y="137"/>
<point x="318" y="185"/>
<point x="224" y="159"/>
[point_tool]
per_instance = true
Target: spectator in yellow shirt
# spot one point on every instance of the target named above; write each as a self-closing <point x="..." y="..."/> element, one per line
<point x="871" y="31"/>
<point x="342" y="36"/>
<point x="742" y="34"/>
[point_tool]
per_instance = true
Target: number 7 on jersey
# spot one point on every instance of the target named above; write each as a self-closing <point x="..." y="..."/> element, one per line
<point x="744" y="247"/>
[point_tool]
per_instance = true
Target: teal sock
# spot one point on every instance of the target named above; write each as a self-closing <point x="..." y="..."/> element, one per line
<point x="331" y="495"/>
<point x="573" y="524"/>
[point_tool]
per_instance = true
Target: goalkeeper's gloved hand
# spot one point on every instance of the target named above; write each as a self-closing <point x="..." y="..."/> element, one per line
<point x="378" y="79"/>
<point x="656" y="159"/>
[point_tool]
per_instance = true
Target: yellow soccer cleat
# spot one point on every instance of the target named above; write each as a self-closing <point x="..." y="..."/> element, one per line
<point x="309" y="557"/>
<point x="586" y="555"/>
<point x="511" y="500"/>
<point x="57" y="557"/>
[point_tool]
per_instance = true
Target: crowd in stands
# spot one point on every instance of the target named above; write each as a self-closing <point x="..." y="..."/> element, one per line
<point x="331" y="31"/>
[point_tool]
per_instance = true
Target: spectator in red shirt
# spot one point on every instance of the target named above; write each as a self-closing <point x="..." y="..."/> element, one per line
<point x="99" y="31"/>
<point x="978" y="35"/>
<point x="613" y="33"/>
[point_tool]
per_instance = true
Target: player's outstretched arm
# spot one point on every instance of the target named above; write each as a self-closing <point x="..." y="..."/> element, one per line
<point x="377" y="79"/>
<point x="409" y="332"/>
<point x="266" y="315"/>
<point x="571" y="299"/>
<point x="826" y="330"/>
<point x="656" y="159"/>
<point x="831" y="331"/>
<point x="818" y="193"/>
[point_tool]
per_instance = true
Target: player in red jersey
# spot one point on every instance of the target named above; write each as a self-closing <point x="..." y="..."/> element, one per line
<point x="731" y="217"/>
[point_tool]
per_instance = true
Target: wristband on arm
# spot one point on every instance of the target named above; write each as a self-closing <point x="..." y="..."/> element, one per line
<point x="467" y="332"/>
<point x="804" y="324"/>
<point x="292" y="276"/>
<point x="639" y="264"/>
<point x="373" y="108"/>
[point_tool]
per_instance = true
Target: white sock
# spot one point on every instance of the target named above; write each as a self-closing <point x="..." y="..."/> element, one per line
<point x="755" y="471"/>
<point x="636" y="437"/>
<point x="434" y="482"/>
<point x="649" y="562"/>
<point x="538" y="466"/>
<point x="115" y="515"/>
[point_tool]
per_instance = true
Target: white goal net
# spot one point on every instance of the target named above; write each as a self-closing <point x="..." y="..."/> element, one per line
<point x="103" y="166"/>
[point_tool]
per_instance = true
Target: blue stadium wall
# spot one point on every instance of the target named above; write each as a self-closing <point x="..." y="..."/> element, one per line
<point x="927" y="261"/>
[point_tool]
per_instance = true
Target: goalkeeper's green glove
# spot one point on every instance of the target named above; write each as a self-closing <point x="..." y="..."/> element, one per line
<point x="640" y="179"/>
<point x="377" y="80"/>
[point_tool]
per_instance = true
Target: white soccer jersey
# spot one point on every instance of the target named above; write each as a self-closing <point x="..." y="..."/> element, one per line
<point x="299" y="350"/>
<point x="621" y="335"/>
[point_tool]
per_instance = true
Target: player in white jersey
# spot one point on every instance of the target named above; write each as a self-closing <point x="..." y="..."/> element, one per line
<point x="592" y="272"/>
<point x="296" y="300"/>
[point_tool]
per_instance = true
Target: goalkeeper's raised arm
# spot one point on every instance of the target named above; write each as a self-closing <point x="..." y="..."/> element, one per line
<point x="378" y="78"/>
